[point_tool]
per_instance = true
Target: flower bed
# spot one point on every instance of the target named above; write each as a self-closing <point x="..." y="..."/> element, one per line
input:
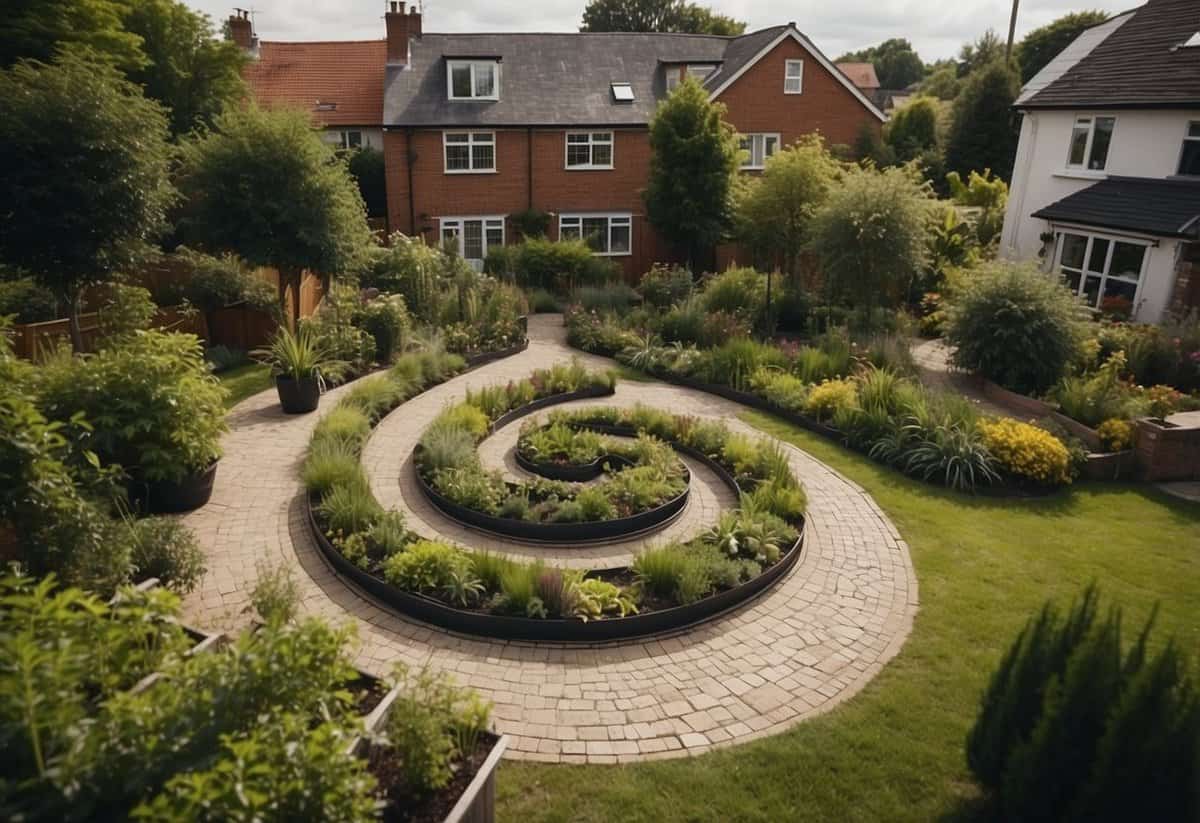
<point x="665" y="588"/>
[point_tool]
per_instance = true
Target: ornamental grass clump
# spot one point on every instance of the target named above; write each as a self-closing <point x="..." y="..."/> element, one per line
<point x="1027" y="452"/>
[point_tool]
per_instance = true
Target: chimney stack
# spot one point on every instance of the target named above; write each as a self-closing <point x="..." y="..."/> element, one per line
<point x="241" y="30"/>
<point x="401" y="27"/>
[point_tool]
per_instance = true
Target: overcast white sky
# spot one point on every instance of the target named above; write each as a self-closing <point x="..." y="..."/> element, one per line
<point x="936" y="27"/>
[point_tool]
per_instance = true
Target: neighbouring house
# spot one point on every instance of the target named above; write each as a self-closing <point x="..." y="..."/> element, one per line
<point x="479" y="127"/>
<point x="1106" y="185"/>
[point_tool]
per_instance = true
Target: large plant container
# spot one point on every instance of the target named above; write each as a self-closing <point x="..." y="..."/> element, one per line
<point x="298" y="396"/>
<point x="172" y="497"/>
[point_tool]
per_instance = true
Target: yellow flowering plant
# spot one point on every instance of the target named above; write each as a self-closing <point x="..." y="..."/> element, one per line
<point x="1026" y="451"/>
<point x="827" y="397"/>
<point x="1116" y="434"/>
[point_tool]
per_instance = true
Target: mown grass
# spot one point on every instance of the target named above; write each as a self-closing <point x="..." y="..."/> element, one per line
<point x="245" y="381"/>
<point x="895" y="751"/>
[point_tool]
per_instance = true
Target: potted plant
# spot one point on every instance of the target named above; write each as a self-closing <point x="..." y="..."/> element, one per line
<point x="299" y="364"/>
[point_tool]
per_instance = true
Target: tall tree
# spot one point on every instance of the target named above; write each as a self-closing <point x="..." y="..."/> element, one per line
<point x="988" y="48"/>
<point x="774" y="209"/>
<point x="263" y="185"/>
<point x="85" y="168"/>
<point x="188" y="68"/>
<point x="657" y="15"/>
<point x="694" y="158"/>
<point x="983" y="131"/>
<point x="1042" y="45"/>
<point x="913" y="128"/>
<point x="38" y="29"/>
<point x="896" y="62"/>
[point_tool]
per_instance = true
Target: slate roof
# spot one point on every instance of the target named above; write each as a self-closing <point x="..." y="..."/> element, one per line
<point x="1163" y="208"/>
<point x="860" y="74"/>
<point x="557" y="78"/>
<point x="1141" y="64"/>
<point x="347" y="74"/>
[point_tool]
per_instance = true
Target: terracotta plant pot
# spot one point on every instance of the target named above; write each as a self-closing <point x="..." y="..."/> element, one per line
<point x="192" y="492"/>
<point x="298" y="396"/>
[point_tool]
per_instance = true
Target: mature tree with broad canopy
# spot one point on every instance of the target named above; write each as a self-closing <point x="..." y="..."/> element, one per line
<point x="774" y="209"/>
<point x="188" y="68"/>
<point x="657" y="15"/>
<point x="1042" y="45"/>
<point x="39" y="29"/>
<point x="694" y="159"/>
<point x="896" y="62"/>
<point x="263" y="185"/>
<point x="85" y="166"/>
<point x="983" y="132"/>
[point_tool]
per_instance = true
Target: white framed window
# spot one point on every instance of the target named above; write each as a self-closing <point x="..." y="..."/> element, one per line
<point x="674" y="77"/>
<point x="473" y="79"/>
<point x="758" y="147"/>
<point x="700" y="71"/>
<point x="1091" y="138"/>
<point x="1189" y="157"/>
<point x="793" y="76"/>
<point x="350" y="139"/>
<point x="469" y="152"/>
<point x="472" y="237"/>
<point x="608" y="234"/>
<point x="589" y="150"/>
<point x="1104" y="271"/>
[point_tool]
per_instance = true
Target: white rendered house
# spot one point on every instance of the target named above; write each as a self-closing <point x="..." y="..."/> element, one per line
<point x="1106" y="185"/>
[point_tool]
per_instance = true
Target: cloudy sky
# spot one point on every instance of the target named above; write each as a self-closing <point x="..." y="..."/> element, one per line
<point x="936" y="27"/>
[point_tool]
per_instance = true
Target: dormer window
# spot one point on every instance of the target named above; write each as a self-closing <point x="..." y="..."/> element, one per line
<point x="700" y="71"/>
<point x="473" y="79"/>
<point x="622" y="92"/>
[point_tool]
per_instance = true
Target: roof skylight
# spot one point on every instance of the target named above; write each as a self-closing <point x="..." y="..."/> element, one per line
<point x="622" y="92"/>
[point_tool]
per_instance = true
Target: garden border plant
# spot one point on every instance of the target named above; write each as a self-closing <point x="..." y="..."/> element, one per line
<point x="742" y="556"/>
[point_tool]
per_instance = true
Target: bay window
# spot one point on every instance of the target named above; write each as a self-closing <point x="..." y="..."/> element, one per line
<point x="1104" y="271"/>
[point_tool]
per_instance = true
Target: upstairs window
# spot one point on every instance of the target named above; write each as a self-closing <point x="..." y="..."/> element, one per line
<point x="473" y="79"/>
<point x="758" y="147"/>
<point x="590" y="150"/>
<point x="1090" y="140"/>
<point x="468" y="152"/>
<point x="700" y="71"/>
<point x="1189" y="160"/>
<point x="793" y="76"/>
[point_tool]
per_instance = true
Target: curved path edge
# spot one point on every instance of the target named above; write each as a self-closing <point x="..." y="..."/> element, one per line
<point x="802" y="648"/>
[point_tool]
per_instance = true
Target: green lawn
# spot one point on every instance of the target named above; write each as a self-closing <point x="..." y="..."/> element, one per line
<point x="245" y="381"/>
<point x="895" y="751"/>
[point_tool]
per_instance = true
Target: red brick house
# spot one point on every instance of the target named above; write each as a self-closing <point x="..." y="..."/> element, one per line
<point x="477" y="127"/>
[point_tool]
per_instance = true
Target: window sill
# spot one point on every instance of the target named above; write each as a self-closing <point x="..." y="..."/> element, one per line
<point x="473" y="99"/>
<point x="470" y="171"/>
<point x="588" y="168"/>
<point x="612" y="254"/>
<point x="1081" y="174"/>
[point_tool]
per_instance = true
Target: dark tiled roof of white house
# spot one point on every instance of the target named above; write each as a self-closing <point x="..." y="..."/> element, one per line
<point x="1150" y="60"/>
<point x="566" y="78"/>
<point x="1163" y="208"/>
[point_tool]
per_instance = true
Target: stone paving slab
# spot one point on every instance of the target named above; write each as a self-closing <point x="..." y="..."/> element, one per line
<point x="805" y="646"/>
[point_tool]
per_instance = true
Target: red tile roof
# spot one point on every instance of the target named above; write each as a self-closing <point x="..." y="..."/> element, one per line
<point x="345" y="77"/>
<point x="861" y="75"/>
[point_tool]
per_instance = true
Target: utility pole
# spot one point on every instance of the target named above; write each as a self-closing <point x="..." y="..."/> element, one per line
<point x="1012" y="30"/>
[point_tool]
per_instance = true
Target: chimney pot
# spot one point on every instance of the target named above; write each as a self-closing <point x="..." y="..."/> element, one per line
<point x="401" y="27"/>
<point x="241" y="30"/>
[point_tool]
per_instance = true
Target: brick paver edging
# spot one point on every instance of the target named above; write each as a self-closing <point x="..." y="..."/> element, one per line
<point x="807" y="645"/>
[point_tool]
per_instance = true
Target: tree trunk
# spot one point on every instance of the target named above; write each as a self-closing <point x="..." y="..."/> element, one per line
<point x="72" y="300"/>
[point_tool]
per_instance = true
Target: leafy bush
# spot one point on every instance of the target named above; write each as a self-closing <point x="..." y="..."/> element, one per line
<point x="1074" y="727"/>
<point x="425" y="566"/>
<point x="27" y="301"/>
<point x="349" y="507"/>
<point x="1116" y="434"/>
<point x="276" y="595"/>
<point x="541" y="301"/>
<point x="346" y="424"/>
<point x="739" y="292"/>
<point x="784" y="390"/>
<point x="386" y="320"/>
<point x="163" y="547"/>
<point x="213" y="283"/>
<point x="1092" y="399"/>
<point x="1027" y="452"/>
<point x="735" y="362"/>
<point x="1016" y="326"/>
<point x="611" y="297"/>
<point x="665" y="285"/>
<point x="373" y="397"/>
<point x="829" y="396"/>
<point x="154" y="406"/>
<point x="559" y="267"/>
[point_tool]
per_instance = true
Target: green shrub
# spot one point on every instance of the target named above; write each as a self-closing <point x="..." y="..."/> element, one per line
<point x="490" y="568"/>
<point x="542" y="301"/>
<point x="471" y="487"/>
<point x="331" y="463"/>
<point x="1017" y="326"/>
<point x="425" y="566"/>
<point x="27" y="301"/>
<point x="610" y="297"/>
<point x="558" y="267"/>
<point x="444" y="447"/>
<point x="465" y="417"/>
<point x="733" y="363"/>
<point x="1074" y="727"/>
<point x="276" y="594"/>
<point x="154" y="406"/>
<point x="386" y="320"/>
<point x="374" y="396"/>
<point x="665" y="285"/>
<point x="660" y="569"/>
<point x="739" y="292"/>
<point x="785" y="500"/>
<point x="782" y="389"/>
<point x="594" y="504"/>
<point x="163" y="547"/>
<point x="830" y="396"/>
<point x="349" y="507"/>
<point x="213" y="283"/>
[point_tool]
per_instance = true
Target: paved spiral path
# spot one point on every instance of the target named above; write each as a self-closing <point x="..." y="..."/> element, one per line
<point x="809" y="643"/>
